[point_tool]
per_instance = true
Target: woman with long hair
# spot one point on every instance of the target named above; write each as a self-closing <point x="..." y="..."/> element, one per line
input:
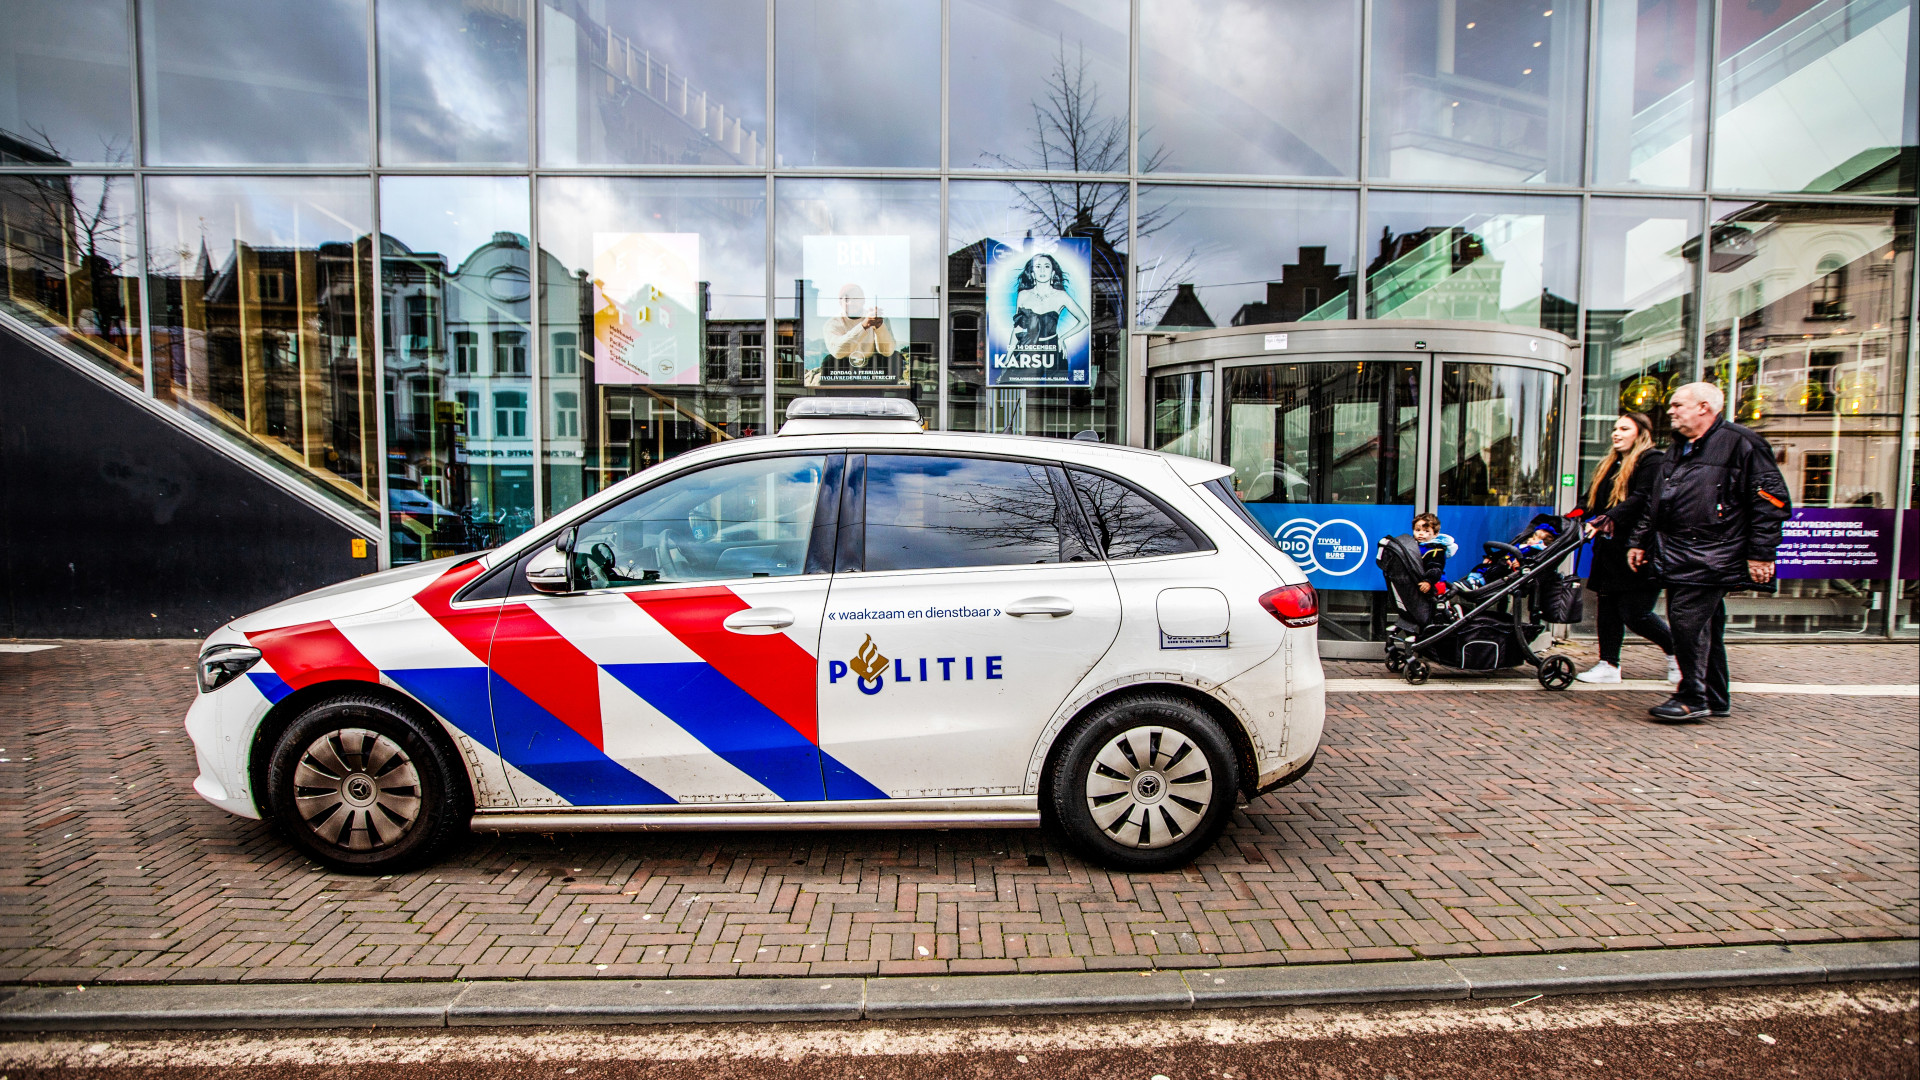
<point x="1614" y="504"/>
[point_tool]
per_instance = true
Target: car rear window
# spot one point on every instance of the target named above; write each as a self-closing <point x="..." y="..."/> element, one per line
<point x="1224" y="492"/>
<point x="1127" y="523"/>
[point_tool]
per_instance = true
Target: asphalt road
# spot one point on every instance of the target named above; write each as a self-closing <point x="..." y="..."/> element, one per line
<point x="1859" y="1032"/>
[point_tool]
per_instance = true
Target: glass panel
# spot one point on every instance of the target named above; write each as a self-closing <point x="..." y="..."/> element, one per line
<point x="1325" y="457"/>
<point x="1499" y="258"/>
<point x="1127" y="524"/>
<point x="1640" y="308"/>
<point x="238" y="82"/>
<point x="1815" y="96"/>
<point x="925" y="512"/>
<point x="1283" y="100"/>
<point x="453" y="81"/>
<point x="1807" y="320"/>
<point x="1906" y="615"/>
<point x="994" y="230"/>
<point x="458" y="379"/>
<point x="1479" y="91"/>
<point x="1498" y="453"/>
<point x="744" y="519"/>
<point x="653" y="82"/>
<point x="1499" y="438"/>
<point x="1242" y="256"/>
<point x="654" y="309"/>
<point x="859" y="82"/>
<point x="856" y="289"/>
<point x="72" y="263"/>
<point x="66" y="81"/>
<point x="1650" y="107"/>
<point x="261" y="288"/>
<point x="1183" y="414"/>
<point x="1042" y="87"/>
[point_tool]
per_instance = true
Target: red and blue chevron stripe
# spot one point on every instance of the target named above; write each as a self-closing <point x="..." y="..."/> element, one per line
<point x="536" y="697"/>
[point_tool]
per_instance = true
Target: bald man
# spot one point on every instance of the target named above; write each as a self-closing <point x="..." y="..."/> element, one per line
<point x="1711" y="526"/>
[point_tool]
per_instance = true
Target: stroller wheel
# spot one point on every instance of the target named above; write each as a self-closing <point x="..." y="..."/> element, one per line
<point x="1417" y="671"/>
<point x="1396" y="662"/>
<point x="1556" y="672"/>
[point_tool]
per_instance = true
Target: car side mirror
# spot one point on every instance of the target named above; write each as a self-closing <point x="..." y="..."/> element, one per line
<point x="551" y="571"/>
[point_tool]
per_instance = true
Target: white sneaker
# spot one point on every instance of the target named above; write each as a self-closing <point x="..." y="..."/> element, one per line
<point x="1673" y="669"/>
<point x="1601" y="672"/>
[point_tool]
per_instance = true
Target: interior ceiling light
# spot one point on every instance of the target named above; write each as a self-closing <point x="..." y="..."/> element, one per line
<point x="1526" y="71"/>
<point x="1536" y="44"/>
<point x="1469" y="26"/>
<point x="1548" y="12"/>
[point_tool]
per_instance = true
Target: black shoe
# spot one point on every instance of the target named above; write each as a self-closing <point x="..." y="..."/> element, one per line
<point x="1675" y="711"/>
<point x="1726" y="711"/>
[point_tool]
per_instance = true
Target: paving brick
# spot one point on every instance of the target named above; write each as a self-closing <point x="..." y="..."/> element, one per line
<point x="1448" y="823"/>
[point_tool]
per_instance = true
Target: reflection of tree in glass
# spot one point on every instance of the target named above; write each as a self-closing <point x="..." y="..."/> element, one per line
<point x="1004" y="512"/>
<point x="1126" y="524"/>
<point x="1072" y="134"/>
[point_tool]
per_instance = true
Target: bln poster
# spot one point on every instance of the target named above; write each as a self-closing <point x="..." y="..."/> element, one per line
<point x="856" y="308"/>
<point x="1040" y="313"/>
<point x="646" y="308"/>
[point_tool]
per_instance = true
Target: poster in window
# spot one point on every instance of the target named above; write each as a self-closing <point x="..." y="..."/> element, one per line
<point x="1040" y="313"/>
<point x="857" y="303"/>
<point x="646" y="308"/>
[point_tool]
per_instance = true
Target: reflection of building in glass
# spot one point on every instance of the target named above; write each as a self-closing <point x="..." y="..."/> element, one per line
<point x="1307" y="290"/>
<point x="267" y="346"/>
<point x="69" y="259"/>
<point x="643" y="108"/>
<point x="1446" y="273"/>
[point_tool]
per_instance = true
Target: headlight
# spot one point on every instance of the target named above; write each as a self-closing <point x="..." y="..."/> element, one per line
<point x="222" y="664"/>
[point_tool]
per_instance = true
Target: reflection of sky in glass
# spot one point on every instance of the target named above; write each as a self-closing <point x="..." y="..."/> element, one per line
<point x="859" y="82"/>
<point x="729" y="216"/>
<point x="64" y="75"/>
<point x="909" y="208"/>
<point x="718" y="47"/>
<point x="1011" y="57"/>
<point x="452" y="215"/>
<point x="231" y="81"/>
<point x="1650" y="107"/>
<point x="1634" y="257"/>
<point x="1000" y="210"/>
<point x="1230" y="242"/>
<point x="453" y="82"/>
<point x="268" y="211"/>
<point x="1283" y="99"/>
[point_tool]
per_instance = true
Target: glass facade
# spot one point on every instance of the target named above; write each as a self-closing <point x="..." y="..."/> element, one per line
<point x="458" y="266"/>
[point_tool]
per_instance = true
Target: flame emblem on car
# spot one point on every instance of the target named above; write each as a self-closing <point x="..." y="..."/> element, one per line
<point x="867" y="661"/>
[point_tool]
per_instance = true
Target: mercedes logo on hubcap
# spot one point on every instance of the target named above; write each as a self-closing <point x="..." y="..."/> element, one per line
<point x="359" y="789"/>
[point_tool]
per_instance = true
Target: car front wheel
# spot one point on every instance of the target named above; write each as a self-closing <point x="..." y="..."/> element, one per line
<point x="363" y="786"/>
<point x="1144" y="782"/>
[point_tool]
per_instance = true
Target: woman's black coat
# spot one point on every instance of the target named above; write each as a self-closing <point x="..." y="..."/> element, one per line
<point x="1609" y="573"/>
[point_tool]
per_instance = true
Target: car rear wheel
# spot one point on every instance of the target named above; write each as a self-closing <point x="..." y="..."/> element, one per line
<point x="1144" y="782"/>
<point x="363" y="786"/>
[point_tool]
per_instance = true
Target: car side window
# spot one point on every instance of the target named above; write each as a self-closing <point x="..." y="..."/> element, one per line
<point x="1127" y="524"/>
<point x="926" y="511"/>
<point x="743" y="519"/>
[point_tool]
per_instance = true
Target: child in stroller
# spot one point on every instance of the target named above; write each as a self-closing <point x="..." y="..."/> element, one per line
<point x="1496" y="566"/>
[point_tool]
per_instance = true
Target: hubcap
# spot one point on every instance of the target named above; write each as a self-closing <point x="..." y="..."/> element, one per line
<point x="357" y="789"/>
<point x="1149" y="787"/>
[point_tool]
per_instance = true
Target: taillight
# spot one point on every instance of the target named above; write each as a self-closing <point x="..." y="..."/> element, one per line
<point x="1294" y="605"/>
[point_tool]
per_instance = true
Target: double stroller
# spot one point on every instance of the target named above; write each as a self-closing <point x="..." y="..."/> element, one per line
<point x="1491" y="627"/>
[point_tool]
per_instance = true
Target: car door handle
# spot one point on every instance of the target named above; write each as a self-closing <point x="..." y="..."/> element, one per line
<point x="1055" y="606"/>
<point x="759" y="620"/>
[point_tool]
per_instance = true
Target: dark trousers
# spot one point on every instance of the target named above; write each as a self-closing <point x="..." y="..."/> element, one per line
<point x="1699" y="615"/>
<point x="1623" y="611"/>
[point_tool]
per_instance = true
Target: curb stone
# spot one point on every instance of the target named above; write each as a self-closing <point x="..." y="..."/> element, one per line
<point x="673" y="1001"/>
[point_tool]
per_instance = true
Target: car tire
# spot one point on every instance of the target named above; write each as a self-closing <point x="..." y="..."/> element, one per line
<point x="362" y="785"/>
<point x="1112" y="793"/>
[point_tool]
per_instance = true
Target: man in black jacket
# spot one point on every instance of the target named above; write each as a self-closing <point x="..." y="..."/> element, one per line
<point x="1712" y="523"/>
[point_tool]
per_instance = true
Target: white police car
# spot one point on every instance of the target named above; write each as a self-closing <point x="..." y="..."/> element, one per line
<point x="853" y="624"/>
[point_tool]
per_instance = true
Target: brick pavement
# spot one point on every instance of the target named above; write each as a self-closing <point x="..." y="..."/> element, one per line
<point x="1436" y="824"/>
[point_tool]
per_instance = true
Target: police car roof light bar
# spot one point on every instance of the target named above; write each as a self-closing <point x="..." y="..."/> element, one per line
<point x="852" y="408"/>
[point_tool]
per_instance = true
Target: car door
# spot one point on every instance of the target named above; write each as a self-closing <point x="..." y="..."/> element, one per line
<point x="679" y="667"/>
<point x="966" y="607"/>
